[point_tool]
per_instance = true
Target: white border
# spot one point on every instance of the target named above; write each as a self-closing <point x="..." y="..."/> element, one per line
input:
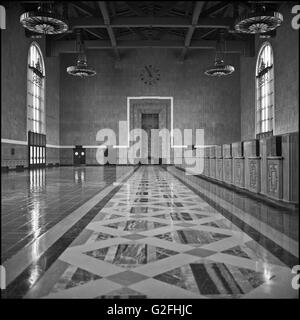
<point x="10" y="141"/>
<point x="128" y="118"/>
<point x="25" y="143"/>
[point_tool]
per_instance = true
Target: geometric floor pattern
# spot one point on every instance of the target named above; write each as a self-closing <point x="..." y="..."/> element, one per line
<point x="156" y="238"/>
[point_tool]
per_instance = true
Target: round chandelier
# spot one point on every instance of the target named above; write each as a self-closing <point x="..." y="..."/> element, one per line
<point x="259" y="20"/>
<point x="81" y="69"/>
<point x="220" y="68"/>
<point x="44" y="20"/>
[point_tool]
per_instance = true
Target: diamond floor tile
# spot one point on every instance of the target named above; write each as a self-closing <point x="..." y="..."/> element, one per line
<point x="131" y="255"/>
<point x="192" y="236"/>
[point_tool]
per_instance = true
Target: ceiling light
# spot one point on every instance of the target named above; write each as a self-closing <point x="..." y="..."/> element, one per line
<point x="220" y="68"/>
<point x="44" y="20"/>
<point x="259" y="20"/>
<point x="81" y="69"/>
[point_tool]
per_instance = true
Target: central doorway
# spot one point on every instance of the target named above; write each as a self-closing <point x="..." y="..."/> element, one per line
<point x="150" y="113"/>
<point x="150" y="121"/>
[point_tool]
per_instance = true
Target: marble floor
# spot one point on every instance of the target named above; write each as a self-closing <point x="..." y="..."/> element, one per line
<point x="141" y="232"/>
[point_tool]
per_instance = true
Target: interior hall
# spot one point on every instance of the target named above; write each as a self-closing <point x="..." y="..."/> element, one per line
<point x="149" y="149"/>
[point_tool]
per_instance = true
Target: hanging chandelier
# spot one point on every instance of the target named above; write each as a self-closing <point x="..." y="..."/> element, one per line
<point x="259" y="20"/>
<point x="44" y="20"/>
<point x="81" y="69"/>
<point x="220" y="68"/>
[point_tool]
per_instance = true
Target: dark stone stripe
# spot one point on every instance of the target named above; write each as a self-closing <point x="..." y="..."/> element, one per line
<point x="23" y="283"/>
<point x="234" y="281"/>
<point x="182" y="236"/>
<point x="221" y="277"/>
<point x="279" y="252"/>
<point x="204" y="282"/>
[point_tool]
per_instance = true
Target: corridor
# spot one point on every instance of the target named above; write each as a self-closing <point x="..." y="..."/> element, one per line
<point x="151" y="236"/>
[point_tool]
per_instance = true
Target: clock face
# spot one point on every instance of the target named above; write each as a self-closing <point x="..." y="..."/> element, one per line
<point x="150" y="75"/>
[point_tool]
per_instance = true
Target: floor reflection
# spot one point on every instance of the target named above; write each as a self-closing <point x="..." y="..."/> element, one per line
<point x="152" y="237"/>
<point x="33" y="201"/>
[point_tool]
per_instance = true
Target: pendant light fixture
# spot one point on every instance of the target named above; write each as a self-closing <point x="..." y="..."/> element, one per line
<point x="260" y="20"/>
<point x="81" y="69"/>
<point x="220" y="68"/>
<point x="44" y="20"/>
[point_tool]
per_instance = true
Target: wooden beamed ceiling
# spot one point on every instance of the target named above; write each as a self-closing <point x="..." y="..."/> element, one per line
<point x="120" y="25"/>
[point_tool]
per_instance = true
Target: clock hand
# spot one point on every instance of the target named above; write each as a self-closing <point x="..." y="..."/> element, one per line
<point x="149" y="72"/>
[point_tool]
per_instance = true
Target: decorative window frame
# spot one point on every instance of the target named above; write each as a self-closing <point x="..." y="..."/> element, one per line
<point x="262" y="134"/>
<point x="34" y="43"/>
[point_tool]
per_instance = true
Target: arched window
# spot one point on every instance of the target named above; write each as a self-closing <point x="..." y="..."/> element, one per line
<point x="35" y="90"/>
<point x="265" y="91"/>
<point x="36" y="106"/>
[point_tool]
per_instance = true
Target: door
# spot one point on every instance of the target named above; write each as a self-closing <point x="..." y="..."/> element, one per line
<point x="79" y="156"/>
<point x="149" y="121"/>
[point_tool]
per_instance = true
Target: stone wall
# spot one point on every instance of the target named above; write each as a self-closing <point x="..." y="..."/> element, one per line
<point x="286" y="65"/>
<point x="88" y="105"/>
<point x="14" y="54"/>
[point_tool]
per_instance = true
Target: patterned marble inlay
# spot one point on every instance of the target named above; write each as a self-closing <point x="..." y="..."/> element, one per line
<point x="213" y="279"/>
<point x="181" y="216"/>
<point x="123" y="293"/>
<point x="252" y="250"/>
<point x="156" y="238"/>
<point x="131" y="255"/>
<point x="191" y="236"/>
<point x="97" y="236"/>
<point x="74" y="277"/>
<point x="136" y="225"/>
<point x="142" y="210"/>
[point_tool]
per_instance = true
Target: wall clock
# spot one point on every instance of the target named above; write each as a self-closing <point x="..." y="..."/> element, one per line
<point x="150" y="75"/>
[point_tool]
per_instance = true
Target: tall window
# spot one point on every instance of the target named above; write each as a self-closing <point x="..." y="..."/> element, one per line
<point x="36" y="107"/>
<point x="264" y="91"/>
<point x="35" y="90"/>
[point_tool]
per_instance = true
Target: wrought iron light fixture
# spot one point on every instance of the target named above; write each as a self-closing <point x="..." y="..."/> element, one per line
<point x="259" y="20"/>
<point x="44" y="20"/>
<point x="220" y="68"/>
<point x="81" y="69"/>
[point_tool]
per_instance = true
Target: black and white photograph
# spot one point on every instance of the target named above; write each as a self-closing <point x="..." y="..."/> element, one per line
<point x="150" y="151"/>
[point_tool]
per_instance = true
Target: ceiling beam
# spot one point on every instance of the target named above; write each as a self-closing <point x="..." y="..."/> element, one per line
<point x="106" y="18"/>
<point x="57" y="47"/>
<point x="188" y="7"/>
<point x="215" y="8"/>
<point x="82" y="7"/>
<point x="166" y="8"/>
<point x="138" y="32"/>
<point x="112" y="8"/>
<point x="150" y="22"/>
<point x="135" y="8"/>
<point x="95" y="33"/>
<point x="188" y="38"/>
<point x="207" y="33"/>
